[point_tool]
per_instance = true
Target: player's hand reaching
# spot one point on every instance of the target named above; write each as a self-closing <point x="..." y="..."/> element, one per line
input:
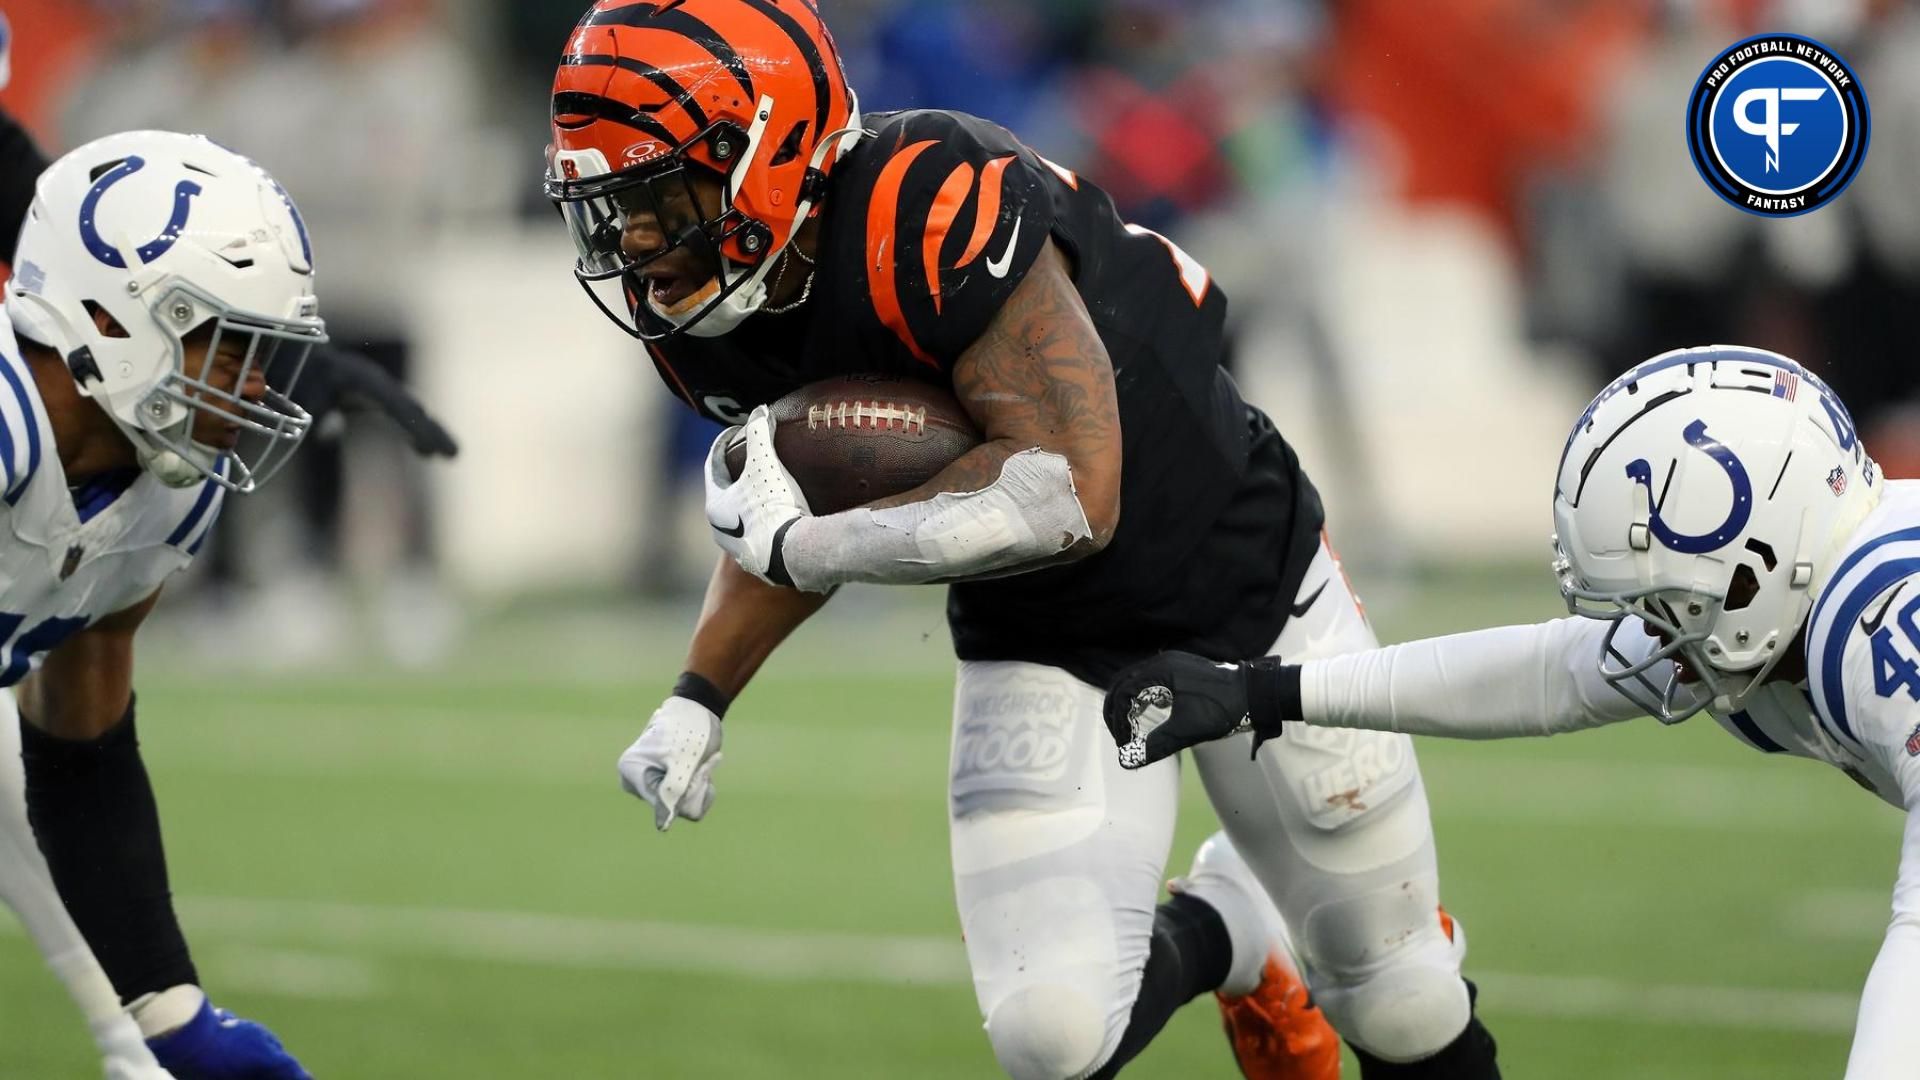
<point x="1162" y="705"/>
<point x="671" y="764"/>
<point x="750" y="515"/>
<point x="337" y="378"/>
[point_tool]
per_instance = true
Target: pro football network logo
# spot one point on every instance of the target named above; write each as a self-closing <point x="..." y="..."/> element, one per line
<point x="1778" y="125"/>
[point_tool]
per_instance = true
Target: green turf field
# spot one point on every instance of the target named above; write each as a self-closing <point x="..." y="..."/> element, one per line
<point x="436" y="875"/>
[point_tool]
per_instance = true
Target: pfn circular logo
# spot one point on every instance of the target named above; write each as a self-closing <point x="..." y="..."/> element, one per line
<point x="1778" y="125"/>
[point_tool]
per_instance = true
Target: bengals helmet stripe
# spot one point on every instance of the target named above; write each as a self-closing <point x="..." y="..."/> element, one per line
<point x="680" y="22"/>
<point x="817" y="67"/>
<point x="882" y="213"/>
<point x="946" y="206"/>
<point x="676" y="94"/>
<point x="573" y="109"/>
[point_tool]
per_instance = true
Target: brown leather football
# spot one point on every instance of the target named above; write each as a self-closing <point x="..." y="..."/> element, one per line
<point x="850" y="440"/>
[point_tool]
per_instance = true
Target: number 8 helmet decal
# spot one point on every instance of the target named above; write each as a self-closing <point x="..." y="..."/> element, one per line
<point x="1707" y="491"/>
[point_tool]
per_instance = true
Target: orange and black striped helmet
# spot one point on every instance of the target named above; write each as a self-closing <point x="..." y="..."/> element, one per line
<point x="651" y="91"/>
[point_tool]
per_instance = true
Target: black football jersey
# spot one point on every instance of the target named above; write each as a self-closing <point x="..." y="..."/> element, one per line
<point x="929" y="223"/>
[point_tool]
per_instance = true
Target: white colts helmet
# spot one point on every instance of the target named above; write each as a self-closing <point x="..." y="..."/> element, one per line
<point x="1707" y="491"/>
<point x="169" y="233"/>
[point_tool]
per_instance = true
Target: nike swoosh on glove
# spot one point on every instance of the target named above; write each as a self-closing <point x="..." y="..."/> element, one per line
<point x="1167" y="703"/>
<point x="750" y="515"/>
<point x="671" y="764"/>
<point x="217" y="1045"/>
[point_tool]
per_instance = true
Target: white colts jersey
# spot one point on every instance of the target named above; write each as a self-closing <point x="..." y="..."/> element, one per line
<point x="69" y="556"/>
<point x="1860" y="707"/>
<point x="1859" y="711"/>
<point x="1863" y="650"/>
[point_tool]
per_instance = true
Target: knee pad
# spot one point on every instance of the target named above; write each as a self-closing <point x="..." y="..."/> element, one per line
<point x="1385" y="967"/>
<point x="1404" y="1013"/>
<point x="1048" y="1032"/>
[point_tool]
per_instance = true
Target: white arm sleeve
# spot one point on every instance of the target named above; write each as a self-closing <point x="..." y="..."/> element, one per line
<point x="1486" y="684"/>
<point x="1030" y="512"/>
<point x="1886" y="1039"/>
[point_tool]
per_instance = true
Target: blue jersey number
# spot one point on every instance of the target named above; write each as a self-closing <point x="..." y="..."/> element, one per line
<point x="1893" y="672"/>
<point x="18" y="652"/>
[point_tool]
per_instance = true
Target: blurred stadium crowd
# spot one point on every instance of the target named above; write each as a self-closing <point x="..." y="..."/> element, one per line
<point x="1438" y="204"/>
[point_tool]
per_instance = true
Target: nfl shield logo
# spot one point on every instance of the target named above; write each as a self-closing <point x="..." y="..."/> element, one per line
<point x="72" y="561"/>
<point x="1913" y="742"/>
<point x="1837" y="480"/>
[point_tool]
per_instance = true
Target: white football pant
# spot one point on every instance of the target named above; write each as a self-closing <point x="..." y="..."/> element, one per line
<point x="1059" y="854"/>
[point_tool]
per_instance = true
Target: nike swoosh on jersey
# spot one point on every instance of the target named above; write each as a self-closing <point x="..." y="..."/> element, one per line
<point x="1872" y="626"/>
<point x="1303" y="606"/>
<point x="998" y="267"/>
<point x="739" y="528"/>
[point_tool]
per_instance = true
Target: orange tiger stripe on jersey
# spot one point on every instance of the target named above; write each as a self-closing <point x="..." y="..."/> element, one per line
<point x="882" y="215"/>
<point x="992" y="177"/>
<point x="946" y="206"/>
<point x="1446" y="923"/>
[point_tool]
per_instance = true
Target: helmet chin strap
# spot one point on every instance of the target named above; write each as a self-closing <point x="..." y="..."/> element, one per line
<point x="168" y="467"/>
<point x="751" y="295"/>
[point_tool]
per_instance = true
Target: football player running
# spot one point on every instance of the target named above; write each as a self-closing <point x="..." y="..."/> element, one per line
<point x="1726" y="547"/>
<point x="733" y="209"/>
<point x="158" y="279"/>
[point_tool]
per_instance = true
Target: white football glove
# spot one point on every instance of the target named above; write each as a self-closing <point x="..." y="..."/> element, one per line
<point x="747" y="514"/>
<point x="671" y="764"/>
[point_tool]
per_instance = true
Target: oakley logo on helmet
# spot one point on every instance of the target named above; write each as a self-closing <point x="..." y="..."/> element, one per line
<point x="1697" y="437"/>
<point x="1777" y="125"/>
<point x="183" y="194"/>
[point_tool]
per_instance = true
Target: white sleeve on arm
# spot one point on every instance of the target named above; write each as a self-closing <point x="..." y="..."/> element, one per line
<point x="1886" y="1038"/>
<point x="1030" y="512"/>
<point x="1486" y="684"/>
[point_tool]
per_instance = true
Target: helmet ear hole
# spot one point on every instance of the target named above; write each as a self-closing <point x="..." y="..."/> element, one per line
<point x="790" y="146"/>
<point x="104" y="321"/>
<point x="1742" y="589"/>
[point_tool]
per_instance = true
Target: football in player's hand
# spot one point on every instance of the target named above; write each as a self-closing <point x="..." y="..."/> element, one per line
<point x="848" y="441"/>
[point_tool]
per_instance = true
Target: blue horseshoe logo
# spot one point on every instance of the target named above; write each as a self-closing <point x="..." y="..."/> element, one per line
<point x="1697" y="437"/>
<point x="183" y="194"/>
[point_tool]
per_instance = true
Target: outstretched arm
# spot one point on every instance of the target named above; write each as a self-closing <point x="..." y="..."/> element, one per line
<point x="1486" y="684"/>
<point x="1886" y="1041"/>
<point x="1500" y="683"/>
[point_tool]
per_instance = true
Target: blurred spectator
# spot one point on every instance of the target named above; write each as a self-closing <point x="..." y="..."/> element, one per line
<point x="370" y="113"/>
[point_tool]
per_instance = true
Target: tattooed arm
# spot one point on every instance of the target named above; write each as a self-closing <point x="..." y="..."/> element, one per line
<point x="1043" y="488"/>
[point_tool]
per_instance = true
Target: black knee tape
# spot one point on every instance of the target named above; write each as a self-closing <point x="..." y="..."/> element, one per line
<point x="1470" y="1056"/>
<point x="1190" y="954"/>
<point x="93" y="813"/>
